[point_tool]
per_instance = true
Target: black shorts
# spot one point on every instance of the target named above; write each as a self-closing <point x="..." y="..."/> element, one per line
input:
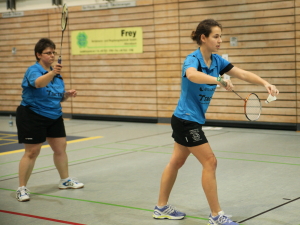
<point x="187" y="133"/>
<point x="34" y="128"/>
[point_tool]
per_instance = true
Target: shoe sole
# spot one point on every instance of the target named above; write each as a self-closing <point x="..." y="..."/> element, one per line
<point x="70" y="187"/>
<point x="25" y="200"/>
<point x="168" y="217"/>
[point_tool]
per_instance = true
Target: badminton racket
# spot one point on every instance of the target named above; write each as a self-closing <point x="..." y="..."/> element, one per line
<point x="252" y="106"/>
<point x="64" y="21"/>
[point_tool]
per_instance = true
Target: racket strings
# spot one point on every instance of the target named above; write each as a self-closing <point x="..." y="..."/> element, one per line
<point x="64" y="17"/>
<point x="64" y="21"/>
<point x="253" y="107"/>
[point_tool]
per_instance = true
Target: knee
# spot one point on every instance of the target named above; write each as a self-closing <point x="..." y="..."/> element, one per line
<point x="211" y="163"/>
<point x="59" y="149"/>
<point x="59" y="152"/>
<point x="32" y="153"/>
<point x="177" y="164"/>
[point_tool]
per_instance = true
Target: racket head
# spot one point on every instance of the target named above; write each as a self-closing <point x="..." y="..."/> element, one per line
<point x="252" y="107"/>
<point x="64" y="17"/>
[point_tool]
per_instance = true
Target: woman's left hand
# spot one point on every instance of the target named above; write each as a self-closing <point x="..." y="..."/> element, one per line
<point x="71" y="93"/>
<point x="272" y="89"/>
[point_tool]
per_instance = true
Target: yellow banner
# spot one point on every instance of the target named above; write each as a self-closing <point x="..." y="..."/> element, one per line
<point x="107" y="41"/>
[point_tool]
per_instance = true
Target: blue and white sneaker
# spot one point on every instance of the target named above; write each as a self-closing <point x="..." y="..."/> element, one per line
<point x="71" y="183"/>
<point x="22" y="194"/>
<point x="168" y="212"/>
<point x="221" y="219"/>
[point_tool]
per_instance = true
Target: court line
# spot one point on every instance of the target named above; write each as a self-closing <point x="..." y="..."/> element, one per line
<point x="85" y="148"/>
<point x="246" y="153"/>
<point x="8" y="135"/>
<point x="144" y="151"/>
<point x="102" y="203"/>
<point x="8" y="143"/>
<point x="46" y="146"/>
<point x="269" y="210"/>
<point x="53" y="166"/>
<point x="250" y="160"/>
<point x="40" y="156"/>
<point x="89" y="130"/>
<point x="41" y="217"/>
<point x="251" y="153"/>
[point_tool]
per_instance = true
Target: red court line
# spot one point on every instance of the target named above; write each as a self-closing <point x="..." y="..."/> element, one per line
<point x="41" y="218"/>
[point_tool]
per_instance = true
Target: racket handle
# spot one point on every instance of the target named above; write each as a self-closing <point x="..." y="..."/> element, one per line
<point x="59" y="59"/>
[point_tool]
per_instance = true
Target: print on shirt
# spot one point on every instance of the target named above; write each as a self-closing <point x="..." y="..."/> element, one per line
<point x="204" y="99"/>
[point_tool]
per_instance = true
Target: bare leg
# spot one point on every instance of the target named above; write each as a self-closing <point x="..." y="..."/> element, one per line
<point x="169" y="175"/>
<point x="27" y="162"/>
<point x="208" y="160"/>
<point x="60" y="157"/>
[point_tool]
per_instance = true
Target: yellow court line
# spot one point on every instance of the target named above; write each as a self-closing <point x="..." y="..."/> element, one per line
<point x="7" y="139"/>
<point x="46" y="146"/>
<point x="8" y="143"/>
<point x="7" y="135"/>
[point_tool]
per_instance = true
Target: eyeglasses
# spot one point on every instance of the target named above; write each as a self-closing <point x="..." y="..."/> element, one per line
<point x="50" y="53"/>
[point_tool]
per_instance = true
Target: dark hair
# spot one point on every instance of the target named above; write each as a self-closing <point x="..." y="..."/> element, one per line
<point x="41" y="45"/>
<point x="204" y="27"/>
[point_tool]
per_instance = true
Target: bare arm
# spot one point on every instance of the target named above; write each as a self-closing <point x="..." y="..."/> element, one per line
<point x="201" y="78"/>
<point x="70" y="93"/>
<point x="253" y="79"/>
<point x="44" y="80"/>
<point x="247" y="76"/>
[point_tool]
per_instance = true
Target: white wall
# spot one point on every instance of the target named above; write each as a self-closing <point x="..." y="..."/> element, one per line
<point x="23" y="5"/>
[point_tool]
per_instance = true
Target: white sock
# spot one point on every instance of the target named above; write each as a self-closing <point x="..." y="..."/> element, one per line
<point x="66" y="179"/>
<point x="219" y="213"/>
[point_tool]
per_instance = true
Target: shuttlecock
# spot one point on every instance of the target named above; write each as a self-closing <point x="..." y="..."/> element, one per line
<point x="270" y="99"/>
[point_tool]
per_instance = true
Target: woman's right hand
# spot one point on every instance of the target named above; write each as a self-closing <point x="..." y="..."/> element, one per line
<point x="227" y="84"/>
<point x="57" y="68"/>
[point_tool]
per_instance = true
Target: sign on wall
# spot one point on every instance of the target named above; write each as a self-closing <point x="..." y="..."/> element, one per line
<point x="12" y="14"/>
<point x="107" y="41"/>
<point x="109" y="5"/>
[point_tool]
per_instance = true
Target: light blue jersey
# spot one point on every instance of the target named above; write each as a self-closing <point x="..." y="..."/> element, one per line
<point x="43" y="101"/>
<point x="195" y="98"/>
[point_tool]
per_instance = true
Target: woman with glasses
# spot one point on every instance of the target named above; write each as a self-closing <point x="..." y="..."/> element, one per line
<point x="39" y="117"/>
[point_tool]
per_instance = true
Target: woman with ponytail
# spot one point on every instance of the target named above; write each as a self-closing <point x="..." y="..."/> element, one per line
<point x="200" y="76"/>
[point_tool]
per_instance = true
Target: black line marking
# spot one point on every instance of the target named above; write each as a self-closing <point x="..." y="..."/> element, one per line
<point x="269" y="210"/>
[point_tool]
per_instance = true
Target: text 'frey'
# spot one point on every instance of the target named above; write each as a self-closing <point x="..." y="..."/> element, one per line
<point x="128" y="33"/>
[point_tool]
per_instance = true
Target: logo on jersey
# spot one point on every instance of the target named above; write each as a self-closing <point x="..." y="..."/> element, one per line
<point x="203" y="98"/>
<point x="50" y="93"/>
<point x="207" y="89"/>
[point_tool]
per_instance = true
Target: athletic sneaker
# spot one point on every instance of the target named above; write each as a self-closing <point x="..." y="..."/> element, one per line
<point x="70" y="183"/>
<point x="168" y="212"/>
<point x="22" y="194"/>
<point x="221" y="219"/>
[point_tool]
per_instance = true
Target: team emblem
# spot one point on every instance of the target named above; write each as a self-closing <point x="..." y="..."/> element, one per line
<point x="196" y="135"/>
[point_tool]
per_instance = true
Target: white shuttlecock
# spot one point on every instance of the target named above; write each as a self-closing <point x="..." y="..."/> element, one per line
<point x="270" y="99"/>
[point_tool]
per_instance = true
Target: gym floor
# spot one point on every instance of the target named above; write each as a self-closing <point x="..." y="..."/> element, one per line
<point x="121" y="164"/>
